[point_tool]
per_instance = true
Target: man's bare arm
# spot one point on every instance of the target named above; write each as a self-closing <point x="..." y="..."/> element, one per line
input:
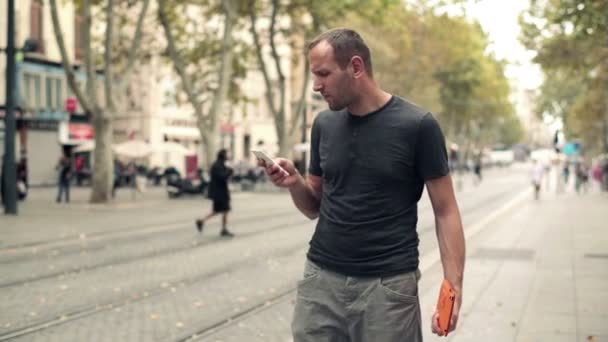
<point x="306" y="195"/>
<point x="449" y="228"/>
<point x="450" y="235"/>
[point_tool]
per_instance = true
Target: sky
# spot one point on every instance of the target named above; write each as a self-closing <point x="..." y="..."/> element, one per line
<point x="499" y="18"/>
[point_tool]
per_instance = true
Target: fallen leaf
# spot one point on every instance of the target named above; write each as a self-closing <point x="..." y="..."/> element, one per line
<point x="591" y="338"/>
<point x="154" y="316"/>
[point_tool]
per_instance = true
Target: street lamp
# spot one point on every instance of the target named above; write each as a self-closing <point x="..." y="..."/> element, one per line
<point x="9" y="168"/>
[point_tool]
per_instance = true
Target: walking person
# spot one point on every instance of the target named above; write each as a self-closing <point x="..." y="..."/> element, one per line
<point x="219" y="193"/>
<point x="372" y="154"/>
<point x="537" y="174"/>
<point x="477" y="168"/>
<point x="65" y="171"/>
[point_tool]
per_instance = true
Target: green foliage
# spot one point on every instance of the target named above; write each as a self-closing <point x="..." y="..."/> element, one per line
<point x="441" y="63"/>
<point x="569" y="37"/>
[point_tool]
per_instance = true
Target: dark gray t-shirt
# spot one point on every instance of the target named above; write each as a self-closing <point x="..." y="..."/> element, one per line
<point x="373" y="169"/>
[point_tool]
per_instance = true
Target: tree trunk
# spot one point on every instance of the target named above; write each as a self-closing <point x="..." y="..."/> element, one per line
<point x="224" y="76"/>
<point x="103" y="177"/>
<point x="208" y="124"/>
<point x="282" y="137"/>
<point x="209" y="144"/>
<point x="605" y="130"/>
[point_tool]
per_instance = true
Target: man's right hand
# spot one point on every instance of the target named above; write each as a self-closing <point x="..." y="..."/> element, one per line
<point x="277" y="177"/>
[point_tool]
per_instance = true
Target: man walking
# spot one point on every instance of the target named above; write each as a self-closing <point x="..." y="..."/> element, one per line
<point x="372" y="154"/>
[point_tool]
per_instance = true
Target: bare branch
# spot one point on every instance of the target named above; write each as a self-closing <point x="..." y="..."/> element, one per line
<point x="65" y="60"/>
<point x="88" y="56"/>
<point x="302" y="104"/>
<point x="180" y="65"/>
<point x="225" y="69"/>
<point x="258" y="50"/>
<point x="273" y="47"/>
<point x="136" y="44"/>
<point x="108" y="56"/>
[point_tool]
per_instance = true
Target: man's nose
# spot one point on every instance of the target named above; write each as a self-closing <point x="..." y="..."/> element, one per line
<point x="317" y="86"/>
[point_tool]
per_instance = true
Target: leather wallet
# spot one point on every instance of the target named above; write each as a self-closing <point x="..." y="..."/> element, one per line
<point x="445" y="306"/>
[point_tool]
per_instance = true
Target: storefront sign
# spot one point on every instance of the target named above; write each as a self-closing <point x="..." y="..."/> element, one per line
<point x="80" y="131"/>
<point x="71" y="133"/>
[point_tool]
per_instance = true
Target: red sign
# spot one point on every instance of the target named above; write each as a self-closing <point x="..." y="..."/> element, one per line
<point x="227" y="128"/>
<point x="80" y="131"/>
<point x="71" y="104"/>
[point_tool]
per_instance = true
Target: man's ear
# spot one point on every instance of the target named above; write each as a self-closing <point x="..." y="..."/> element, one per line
<point x="358" y="66"/>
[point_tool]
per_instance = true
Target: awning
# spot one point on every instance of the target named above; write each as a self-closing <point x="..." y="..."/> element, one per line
<point x="182" y="133"/>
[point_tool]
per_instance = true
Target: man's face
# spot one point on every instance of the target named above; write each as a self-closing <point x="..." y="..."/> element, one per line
<point x="331" y="81"/>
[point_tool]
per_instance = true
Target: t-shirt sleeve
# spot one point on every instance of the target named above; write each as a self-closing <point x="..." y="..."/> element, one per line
<point x="431" y="154"/>
<point x="314" y="167"/>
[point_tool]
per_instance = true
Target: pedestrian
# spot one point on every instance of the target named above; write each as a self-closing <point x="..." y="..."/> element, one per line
<point x="79" y="165"/>
<point x="477" y="168"/>
<point x="117" y="175"/>
<point x="597" y="174"/>
<point x="65" y="170"/>
<point x="582" y="176"/>
<point x="536" y="175"/>
<point x="219" y="193"/>
<point x="372" y="153"/>
<point x="22" y="180"/>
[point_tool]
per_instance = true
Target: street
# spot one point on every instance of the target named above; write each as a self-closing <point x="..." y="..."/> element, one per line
<point x="137" y="270"/>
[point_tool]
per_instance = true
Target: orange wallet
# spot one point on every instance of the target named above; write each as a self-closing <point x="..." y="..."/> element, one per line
<point x="445" y="305"/>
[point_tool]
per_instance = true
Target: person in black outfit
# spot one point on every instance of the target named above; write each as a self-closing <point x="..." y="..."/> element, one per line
<point x="65" y="170"/>
<point x="219" y="193"/>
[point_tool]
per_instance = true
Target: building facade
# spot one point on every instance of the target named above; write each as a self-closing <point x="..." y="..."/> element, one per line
<point x="45" y="127"/>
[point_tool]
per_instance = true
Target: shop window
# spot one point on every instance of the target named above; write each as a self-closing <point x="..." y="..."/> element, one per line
<point x="49" y="93"/>
<point x="59" y="100"/>
<point x="37" y="95"/>
<point x="26" y="89"/>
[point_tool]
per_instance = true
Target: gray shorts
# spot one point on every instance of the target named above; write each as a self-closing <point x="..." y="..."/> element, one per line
<point x="331" y="307"/>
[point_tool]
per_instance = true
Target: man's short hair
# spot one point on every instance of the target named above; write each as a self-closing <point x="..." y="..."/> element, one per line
<point x="346" y="44"/>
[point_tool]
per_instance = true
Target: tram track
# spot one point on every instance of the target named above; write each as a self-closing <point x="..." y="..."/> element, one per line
<point x="113" y="303"/>
<point x="74" y="245"/>
<point x="182" y="248"/>
<point x="144" y="294"/>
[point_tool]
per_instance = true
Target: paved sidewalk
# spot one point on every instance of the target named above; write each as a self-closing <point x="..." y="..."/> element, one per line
<point x="41" y="219"/>
<point x="537" y="273"/>
<point x="541" y="274"/>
